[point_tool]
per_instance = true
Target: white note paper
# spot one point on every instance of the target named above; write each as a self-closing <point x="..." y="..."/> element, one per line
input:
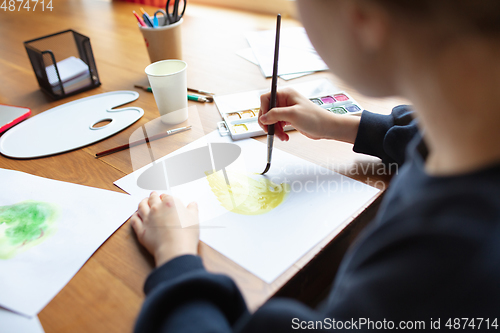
<point x="248" y="55"/>
<point x="296" y="53"/>
<point x="81" y="219"/>
<point x="74" y="74"/>
<point x="69" y="69"/>
<point x="319" y="202"/>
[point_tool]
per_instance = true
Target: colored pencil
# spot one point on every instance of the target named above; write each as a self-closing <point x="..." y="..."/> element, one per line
<point x="147" y="20"/>
<point x="141" y="22"/>
<point x="200" y="91"/>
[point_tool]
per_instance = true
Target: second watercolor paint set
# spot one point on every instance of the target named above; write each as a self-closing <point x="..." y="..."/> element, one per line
<point x="240" y="111"/>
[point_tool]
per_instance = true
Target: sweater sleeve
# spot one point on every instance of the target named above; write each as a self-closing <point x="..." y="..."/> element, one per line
<point x="181" y="296"/>
<point x="386" y="136"/>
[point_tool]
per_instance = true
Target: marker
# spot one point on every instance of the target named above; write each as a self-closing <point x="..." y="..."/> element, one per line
<point x="148" y="89"/>
<point x="141" y="22"/>
<point x="146" y="18"/>
<point x="195" y="98"/>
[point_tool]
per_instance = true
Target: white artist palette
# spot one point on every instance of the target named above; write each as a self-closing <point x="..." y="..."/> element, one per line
<point x="71" y="125"/>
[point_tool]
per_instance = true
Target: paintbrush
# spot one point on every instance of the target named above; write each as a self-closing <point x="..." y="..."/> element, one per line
<point x="272" y="102"/>
<point x="140" y="142"/>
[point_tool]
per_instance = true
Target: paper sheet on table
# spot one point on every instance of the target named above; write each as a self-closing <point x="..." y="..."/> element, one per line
<point x="87" y="216"/>
<point x="248" y="55"/>
<point x="69" y="69"/>
<point x="74" y="74"/>
<point x="11" y="322"/>
<point x="266" y="245"/>
<point x="296" y="55"/>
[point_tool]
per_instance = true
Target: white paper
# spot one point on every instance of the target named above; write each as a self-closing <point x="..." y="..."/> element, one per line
<point x="268" y="244"/>
<point x="74" y="84"/>
<point x="87" y="217"/>
<point x="251" y="99"/>
<point x="288" y="77"/>
<point x="69" y="68"/>
<point x="11" y="322"/>
<point x="296" y="53"/>
<point x="248" y="55"/>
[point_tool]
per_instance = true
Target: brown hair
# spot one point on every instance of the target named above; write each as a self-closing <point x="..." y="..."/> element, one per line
<point x="480" y="16"/>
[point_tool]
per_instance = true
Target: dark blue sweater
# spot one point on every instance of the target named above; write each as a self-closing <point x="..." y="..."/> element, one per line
<point x="432" y="253"/>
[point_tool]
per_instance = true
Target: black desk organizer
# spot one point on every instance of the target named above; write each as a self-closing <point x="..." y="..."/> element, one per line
<point x="47" y="50"/>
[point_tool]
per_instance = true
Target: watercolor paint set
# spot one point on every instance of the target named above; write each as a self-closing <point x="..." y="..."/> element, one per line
<point x="240" y="111"/>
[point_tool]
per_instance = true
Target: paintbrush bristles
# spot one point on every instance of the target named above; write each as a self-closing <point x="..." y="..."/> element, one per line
<point x="268" y="166"/>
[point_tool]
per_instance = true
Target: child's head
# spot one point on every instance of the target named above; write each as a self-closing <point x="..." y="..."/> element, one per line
<point x="369" y="43"/>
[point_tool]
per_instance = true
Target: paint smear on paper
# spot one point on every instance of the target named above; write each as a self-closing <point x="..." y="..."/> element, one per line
<point x="245" y="195"/>
<point x="24" y="225"/>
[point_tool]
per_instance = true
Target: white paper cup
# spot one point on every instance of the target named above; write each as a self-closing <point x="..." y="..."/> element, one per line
<point x="168" y="80"/>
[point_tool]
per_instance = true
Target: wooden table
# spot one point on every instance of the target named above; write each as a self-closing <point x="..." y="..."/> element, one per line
<point x="106" y="294"/>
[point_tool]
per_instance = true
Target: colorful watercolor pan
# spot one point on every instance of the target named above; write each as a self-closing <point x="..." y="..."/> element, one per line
<point x="239" y="128"/>
<point x="240" y="116"/>
<point x="248" y="114"/>
<point x="328" y="100"/>
<point x="341" y="97"/>
<point x="338" y="110"/>
<point x="353" y="108"/>
<point x="339" y="103"/>
<point x="242" y="124"/>
<point x="233" y="116"/>
<point x="243" y="130"/>
<point x="346" y="109"/>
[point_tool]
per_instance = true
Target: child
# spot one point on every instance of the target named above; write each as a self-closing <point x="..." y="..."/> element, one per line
<point x="431" y="257"/>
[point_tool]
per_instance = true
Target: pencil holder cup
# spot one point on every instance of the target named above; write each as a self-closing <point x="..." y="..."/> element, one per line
<point x="164" y="42"/>
<point x="63" y="63"/>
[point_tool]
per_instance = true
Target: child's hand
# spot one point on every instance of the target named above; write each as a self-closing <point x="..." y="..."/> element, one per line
<point x="158" y="225"/>
<point x="306" y="117"/>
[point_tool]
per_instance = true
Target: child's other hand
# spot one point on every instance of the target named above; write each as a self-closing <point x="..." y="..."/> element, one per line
<point x="159" y="223"/>
<point x="306" y="117"/>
